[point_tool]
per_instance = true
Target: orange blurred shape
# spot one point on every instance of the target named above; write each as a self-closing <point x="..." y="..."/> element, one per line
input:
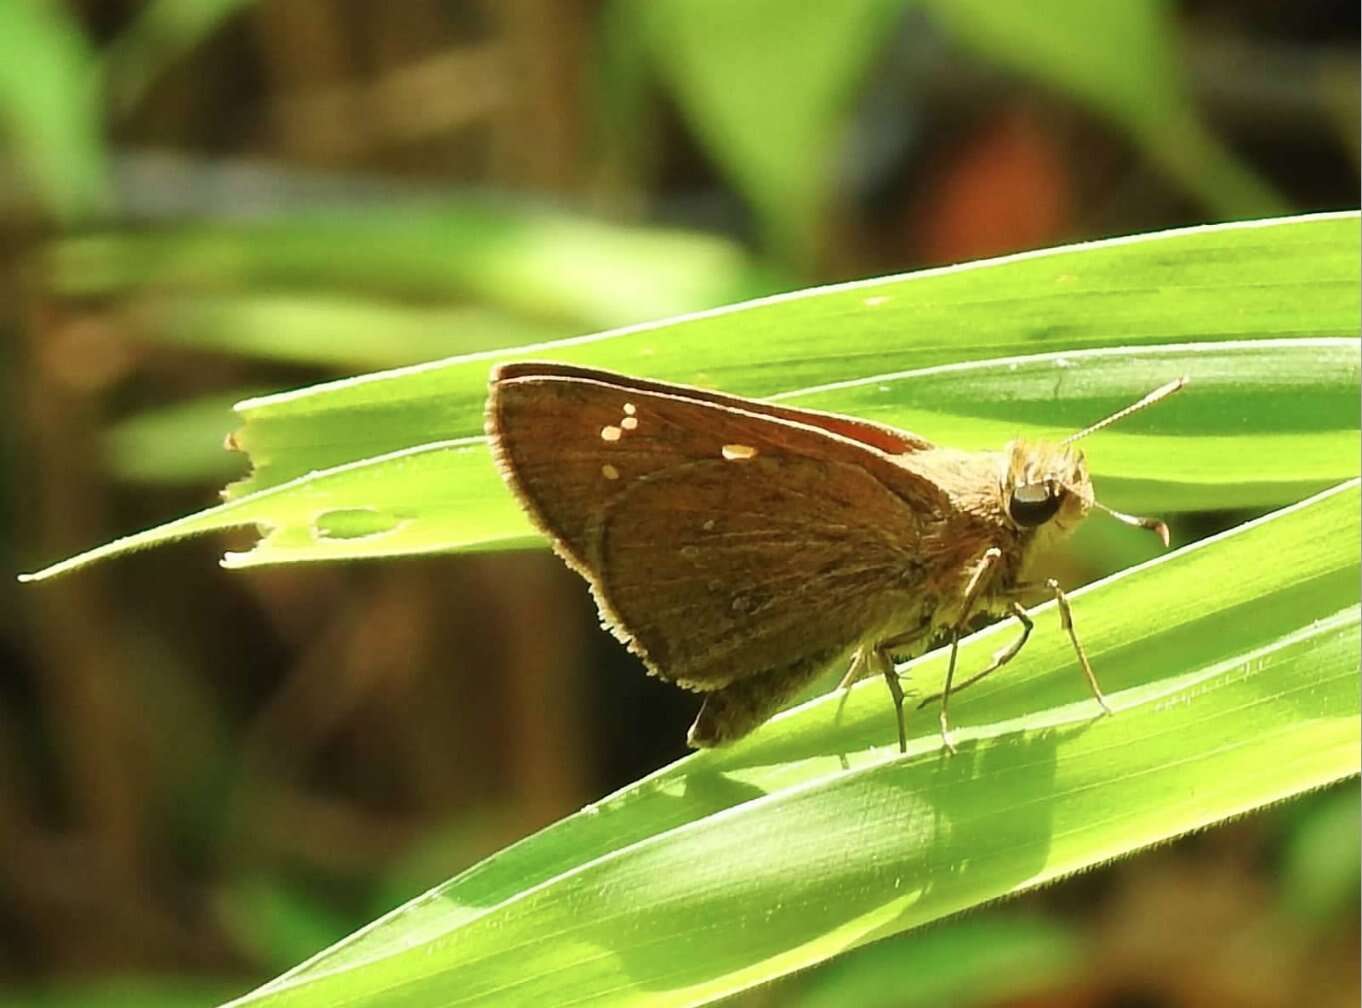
<point x="1006" y="188"/>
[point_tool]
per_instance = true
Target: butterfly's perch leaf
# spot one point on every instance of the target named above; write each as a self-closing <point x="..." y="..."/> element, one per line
<point x="1263" y="317"/>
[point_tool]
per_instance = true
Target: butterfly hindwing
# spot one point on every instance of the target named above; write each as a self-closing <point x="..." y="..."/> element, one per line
<point x="722" y="568"/>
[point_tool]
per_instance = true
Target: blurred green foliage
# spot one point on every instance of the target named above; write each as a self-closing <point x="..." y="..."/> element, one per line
<point x="50" y="109"/>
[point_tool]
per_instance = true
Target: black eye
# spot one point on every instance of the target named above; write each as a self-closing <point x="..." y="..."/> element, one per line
<point x="1033" y="505"/>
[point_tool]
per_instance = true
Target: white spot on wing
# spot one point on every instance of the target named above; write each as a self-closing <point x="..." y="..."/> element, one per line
<point x="611" y="433"/>
<point x="629" y="422"/>
<point x="629" y="409"/>
<point x="610" y="472"/>
<point x="738" y="452"/>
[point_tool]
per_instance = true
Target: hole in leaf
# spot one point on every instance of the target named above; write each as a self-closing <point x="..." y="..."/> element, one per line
<point x="354" y="523"/>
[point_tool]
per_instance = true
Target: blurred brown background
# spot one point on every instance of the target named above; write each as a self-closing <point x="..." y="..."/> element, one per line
<point x="205" y="777"/>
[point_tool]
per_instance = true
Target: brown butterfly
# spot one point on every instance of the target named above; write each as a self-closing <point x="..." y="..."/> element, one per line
<point x="741" y="547"/>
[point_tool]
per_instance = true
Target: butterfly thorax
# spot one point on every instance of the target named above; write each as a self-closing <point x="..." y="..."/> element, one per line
<point x="1020" y="500"/>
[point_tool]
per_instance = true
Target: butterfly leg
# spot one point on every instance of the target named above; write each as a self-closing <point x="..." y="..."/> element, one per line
<point x="884" y="654"/>
<point x="972" y="591"/>
<point x="1066" y="620"/>
<point x="878" y="659"/>
<point x="868" y="661"/>
<point x="856" y="671"/>
<point x="1000" y="659"/>
<point x="875" y="660"/>
<point x="891" y="679"/>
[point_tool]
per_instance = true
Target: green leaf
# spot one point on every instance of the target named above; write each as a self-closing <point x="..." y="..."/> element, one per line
<point x="1319" y="871"/>
<point x="532" y="261"/>
<point x="274" y="921"/>
<point x="1262" y="422"/>
<point x="335" y="331"/>
<point x="163" y="31"/>
<point x="1072" y="333"/>
<point x="50" y="115"/>
<point x="123" y="991"/>
<point x="173" y="444"/>
<point x="768" y="87"/>
<point x="1232" y="665"/>
<point x="984" y="959"/>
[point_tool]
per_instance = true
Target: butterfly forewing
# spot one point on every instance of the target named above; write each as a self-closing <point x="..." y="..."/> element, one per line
<point x="693" y="514"/>
<point x="887" y="439"/>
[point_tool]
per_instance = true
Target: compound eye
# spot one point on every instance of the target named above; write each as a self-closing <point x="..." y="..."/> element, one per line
<point x="1033" y="504"/>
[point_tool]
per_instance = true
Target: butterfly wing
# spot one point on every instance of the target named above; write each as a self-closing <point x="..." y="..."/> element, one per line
<point x="719" y="539"/>
<point x="717" y="569"/>
<point x="887" y="439"/>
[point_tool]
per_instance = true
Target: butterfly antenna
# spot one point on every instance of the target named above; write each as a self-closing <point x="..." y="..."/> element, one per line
<point x="1153" y="524"/>
<point x="1162" y="392"/>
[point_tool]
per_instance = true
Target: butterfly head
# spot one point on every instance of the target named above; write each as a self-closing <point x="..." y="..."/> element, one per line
<point x="1046" y="485"/>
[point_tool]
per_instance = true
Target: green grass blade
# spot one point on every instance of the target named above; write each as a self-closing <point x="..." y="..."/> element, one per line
<point x="716" y="60"/>
<point x="340" y="332"/>
<point x="181" y="442"/>
<point x="1287" y="278"/>
<point x="523" y="259"/>
<point x="1263" y="422"/>
<point x="396" y="504"/>
<point x="163" y="32"/>
<point x="50" y="113"/>
<point x="1233" y="668"/>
